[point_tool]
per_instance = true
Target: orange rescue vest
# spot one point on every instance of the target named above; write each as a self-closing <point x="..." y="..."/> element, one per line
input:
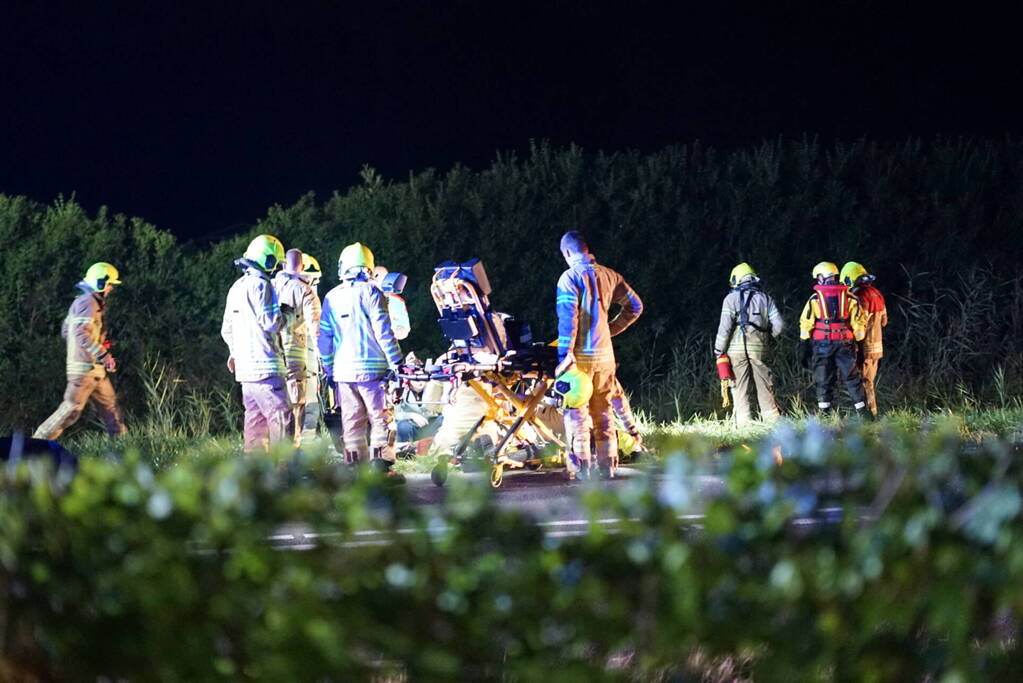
<point x="833" y="307"/>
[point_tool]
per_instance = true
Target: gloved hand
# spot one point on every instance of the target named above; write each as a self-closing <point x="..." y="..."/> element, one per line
<point x="804" y="353"/>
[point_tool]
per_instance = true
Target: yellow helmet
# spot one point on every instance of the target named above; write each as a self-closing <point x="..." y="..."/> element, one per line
<point x="356" y="255"/>
<point x="575" y="387"/>
<point x="742" y="272"/>
<point x="824" y="270"/>
<point x="266" y="251"/>
<point x="852" y="272"/>
<point x="100" y="275"/>
<point x="627" y="444"/>
<point x="311" y="268"/>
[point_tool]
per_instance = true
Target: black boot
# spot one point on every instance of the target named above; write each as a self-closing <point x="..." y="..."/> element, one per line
<point x="385" y="467"/>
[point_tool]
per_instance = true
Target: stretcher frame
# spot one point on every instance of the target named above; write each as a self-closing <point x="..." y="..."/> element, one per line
<point x="483" y="360"/>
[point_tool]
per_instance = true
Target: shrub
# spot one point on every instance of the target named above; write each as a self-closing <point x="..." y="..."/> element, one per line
<point x="911" y="569"/>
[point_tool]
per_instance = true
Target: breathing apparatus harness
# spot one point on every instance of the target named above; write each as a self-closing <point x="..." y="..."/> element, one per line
<point x="746" y="292"/>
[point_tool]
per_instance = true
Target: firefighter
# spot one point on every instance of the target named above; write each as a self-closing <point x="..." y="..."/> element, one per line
<point x="829" y="326"/>
<point x="313" y="413"/>
<point x="871" y="349"/>
<point x="749" y="319"/>
<point x="89" y="360"/>
<point x="251" y="326"/>
<point x="358" y="348"/>
<point x="463" y="412"/>
<point x="585" y="293"/>
<point x="396" y="308"/>
<point x="301" y="309"/>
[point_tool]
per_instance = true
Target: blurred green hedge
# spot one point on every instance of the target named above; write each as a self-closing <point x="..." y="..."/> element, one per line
<point x="912" y="571"/>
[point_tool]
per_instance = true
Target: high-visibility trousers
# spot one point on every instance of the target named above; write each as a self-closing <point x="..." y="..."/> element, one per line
<point x="366" y="417"/>
<point x="869" y="371"/>
<point x="80" y="390"/>
<point x="267" y="413"/>
<point x="464" y="409"/>
<point x="593" y="421"/>
<point x="750" y="371"/>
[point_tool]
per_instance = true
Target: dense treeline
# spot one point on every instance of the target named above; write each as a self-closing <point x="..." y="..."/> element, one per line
<point x="939" y="222"/>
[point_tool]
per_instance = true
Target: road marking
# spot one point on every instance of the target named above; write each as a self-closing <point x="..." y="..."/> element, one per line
<point x="561" y="528"/>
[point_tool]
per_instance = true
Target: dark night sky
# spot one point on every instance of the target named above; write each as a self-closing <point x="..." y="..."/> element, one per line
<point x="201" y="115"/>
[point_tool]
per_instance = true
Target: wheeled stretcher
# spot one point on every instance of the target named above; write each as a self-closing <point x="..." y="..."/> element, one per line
<point x="495" y="358"/>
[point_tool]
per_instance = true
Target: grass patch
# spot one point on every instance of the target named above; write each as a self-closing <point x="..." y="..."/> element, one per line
<point x="163" y="446"/>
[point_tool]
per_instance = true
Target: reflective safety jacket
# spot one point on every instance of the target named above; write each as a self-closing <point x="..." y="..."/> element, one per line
<point x="585" y="293"/>
<point x="356" y="341"/>
<point x="83" y="329"/>
<point x="301" y="321"/>
<point x="252" y="321"/>
<point x="832" y="314"/>
<point x="749" y="318"/>
<point x="872" y="302"/>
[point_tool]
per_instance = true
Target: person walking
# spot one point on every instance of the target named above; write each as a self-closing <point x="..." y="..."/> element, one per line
<point x="88" y="359"/>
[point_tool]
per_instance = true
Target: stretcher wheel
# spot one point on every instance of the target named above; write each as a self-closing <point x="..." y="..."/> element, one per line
<point x="439" y="474"/>
<point x="497" y="475"/>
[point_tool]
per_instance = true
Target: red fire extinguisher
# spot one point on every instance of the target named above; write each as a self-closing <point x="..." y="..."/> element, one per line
<point x="724" y="364"/>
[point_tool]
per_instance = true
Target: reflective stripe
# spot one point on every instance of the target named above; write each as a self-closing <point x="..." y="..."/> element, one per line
<point x="84" y="334"/>
<point x="76" y="368"/>
<point x="356" y="338"/>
